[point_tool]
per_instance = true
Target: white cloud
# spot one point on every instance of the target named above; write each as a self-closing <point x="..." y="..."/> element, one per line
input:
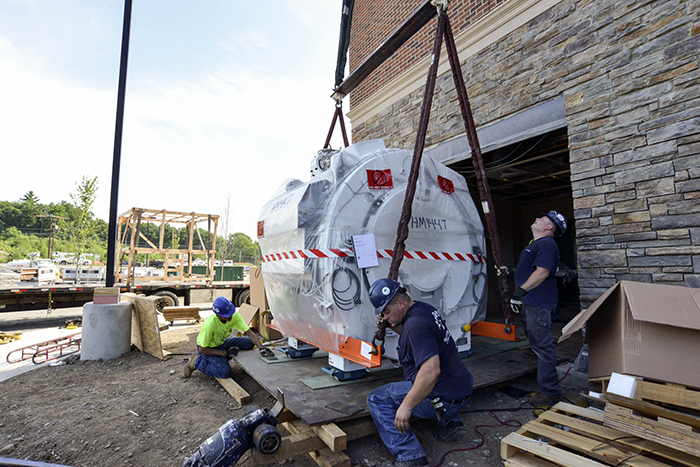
<point x="192" y="138"/>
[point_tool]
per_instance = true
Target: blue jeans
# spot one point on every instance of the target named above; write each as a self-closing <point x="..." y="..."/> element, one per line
<point x="539" y="333"/>
<point x="383" y="403"/>
<point x="217" y="366"/>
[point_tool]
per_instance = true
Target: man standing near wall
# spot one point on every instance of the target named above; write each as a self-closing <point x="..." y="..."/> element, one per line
<point x="536" y="296"/>
<point x="438" y="383"/>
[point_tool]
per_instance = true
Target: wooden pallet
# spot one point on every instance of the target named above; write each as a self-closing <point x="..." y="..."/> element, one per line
<point x="675" y="395"/>
<point x="568" y="435"/>
<point x="672" y="428"/>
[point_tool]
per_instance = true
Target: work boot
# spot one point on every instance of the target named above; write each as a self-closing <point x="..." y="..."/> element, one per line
<point x="189" y="368"/>
<point x="421" y="461"/>
<point x="447" y="432"/>
<point x="528" y="352"/>
<point x="541" y="400"/>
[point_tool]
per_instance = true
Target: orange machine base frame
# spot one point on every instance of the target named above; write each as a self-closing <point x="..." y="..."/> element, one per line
<point x="349" y="349"/>
<point x="497" y="330"/>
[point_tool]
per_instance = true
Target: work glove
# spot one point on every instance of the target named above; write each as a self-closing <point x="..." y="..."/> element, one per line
<point x="516" y="300"/>
<point x="504" y="271"/>
<point x="266" y="353"/>
<point x="232" y="352"/>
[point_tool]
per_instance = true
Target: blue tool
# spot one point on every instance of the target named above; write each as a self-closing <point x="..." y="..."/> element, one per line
<point x="235" y="437"/>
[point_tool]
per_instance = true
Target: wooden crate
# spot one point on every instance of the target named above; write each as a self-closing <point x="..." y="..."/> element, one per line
<point x="568" y="435"/>
<point x="664" y="413"/>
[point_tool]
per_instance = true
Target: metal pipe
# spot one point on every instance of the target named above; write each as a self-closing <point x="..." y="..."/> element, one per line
<point x="116" y="159"/>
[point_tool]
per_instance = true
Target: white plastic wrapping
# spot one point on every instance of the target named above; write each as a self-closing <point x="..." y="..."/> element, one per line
<point x="315" y="289"/>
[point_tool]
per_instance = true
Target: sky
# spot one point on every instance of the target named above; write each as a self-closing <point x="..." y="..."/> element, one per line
<point x="225" y="100"/>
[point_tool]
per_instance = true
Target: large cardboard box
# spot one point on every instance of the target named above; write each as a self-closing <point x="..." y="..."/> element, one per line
<point x="250" y="315"/>
<point x="258" y="298"/>
<point x="648" y="330"/>
<point x="257" y="289"/>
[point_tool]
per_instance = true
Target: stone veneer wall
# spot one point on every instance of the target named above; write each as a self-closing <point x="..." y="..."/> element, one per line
<point x="629" y="73"/>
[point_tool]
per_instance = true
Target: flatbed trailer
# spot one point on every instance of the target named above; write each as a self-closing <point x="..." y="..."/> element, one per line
<point x="24" y="296"/>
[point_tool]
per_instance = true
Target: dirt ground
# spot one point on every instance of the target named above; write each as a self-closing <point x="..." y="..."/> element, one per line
<point x="139" y="411"/>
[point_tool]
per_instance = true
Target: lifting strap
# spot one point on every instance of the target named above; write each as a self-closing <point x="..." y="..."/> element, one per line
<point x="445" y="29"/>
<point x="338" y="115"/>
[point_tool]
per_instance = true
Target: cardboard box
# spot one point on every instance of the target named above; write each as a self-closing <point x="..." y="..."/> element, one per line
<point x="648" y="330"/>
<point x="250" y="315"/>
<point x="258" y="298"/>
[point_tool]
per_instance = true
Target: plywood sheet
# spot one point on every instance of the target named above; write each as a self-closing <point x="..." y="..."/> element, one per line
<point x="146" y="320"/>
<point x="309" y="404"/>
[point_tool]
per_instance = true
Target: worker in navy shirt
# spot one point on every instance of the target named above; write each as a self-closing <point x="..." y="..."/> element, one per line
<point x="536" y="296"/>
<point x="437" y="385"/>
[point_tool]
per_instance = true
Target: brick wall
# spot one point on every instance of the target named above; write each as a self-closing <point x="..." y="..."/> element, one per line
<point x="629" y="73"/>
<point x="374" y="21"/>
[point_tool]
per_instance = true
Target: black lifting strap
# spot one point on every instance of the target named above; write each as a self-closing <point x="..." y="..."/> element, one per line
<point x="343" y="45"/>
<point x="402" y="230"/>
<point x="338" y="115"/>
<point x="445" y="29"/>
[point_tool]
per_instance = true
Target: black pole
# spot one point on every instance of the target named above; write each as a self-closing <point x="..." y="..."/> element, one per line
<point x="112" y="239"/>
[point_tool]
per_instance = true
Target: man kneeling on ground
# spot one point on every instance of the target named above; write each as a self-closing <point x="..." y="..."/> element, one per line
<point x="438" y="383"/>
<point x="215" y="346"/>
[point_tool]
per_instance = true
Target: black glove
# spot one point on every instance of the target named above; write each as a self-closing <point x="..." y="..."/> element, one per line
<point x="504" y="271"/>
<point x="266" y="353"/>
<point x="232" y="352"/>
<point x="516" y="300"/>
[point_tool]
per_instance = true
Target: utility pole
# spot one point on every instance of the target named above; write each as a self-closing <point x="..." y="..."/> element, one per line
<point x="51" y="232"/>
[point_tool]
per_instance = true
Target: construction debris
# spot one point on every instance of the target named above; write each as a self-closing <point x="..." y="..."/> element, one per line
<point x="6" y="337"/>
<point x="659" y="427"/>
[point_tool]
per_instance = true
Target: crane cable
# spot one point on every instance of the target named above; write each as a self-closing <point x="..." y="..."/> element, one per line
<point x="341" y="61"/>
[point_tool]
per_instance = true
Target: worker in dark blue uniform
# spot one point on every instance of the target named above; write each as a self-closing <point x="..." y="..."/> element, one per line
<point x="437" y="385"/>
<point x="536" y="296"/>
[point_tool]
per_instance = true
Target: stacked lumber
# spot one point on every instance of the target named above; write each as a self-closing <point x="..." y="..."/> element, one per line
<point x="568" y="435"/>
<point x="323" y="443"/>
<point x="663" y="413"/>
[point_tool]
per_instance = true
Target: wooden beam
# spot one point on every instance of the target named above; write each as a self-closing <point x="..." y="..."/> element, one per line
<point x="325" y="456"/>
<point x="358" y="427"/>
<point x="420" y="17"/>
<point x="292" y="446"/>
<point x="334" y="437"/>
<point x="235" y="390"/>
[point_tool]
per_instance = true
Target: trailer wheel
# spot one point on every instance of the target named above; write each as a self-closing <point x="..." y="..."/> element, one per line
<point x="243" y="297"/>
<point x="170" y="299"/>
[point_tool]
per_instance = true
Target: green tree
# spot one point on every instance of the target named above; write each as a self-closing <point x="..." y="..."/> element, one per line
<point x="81" y="230"/>
<point x="243" y="248"/>
<point x="29" y="207"/>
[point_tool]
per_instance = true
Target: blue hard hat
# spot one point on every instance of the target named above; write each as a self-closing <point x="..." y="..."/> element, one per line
<point x="558" y="219"/>
<point x="381" y="292"/>
<point x="223" y="307"/>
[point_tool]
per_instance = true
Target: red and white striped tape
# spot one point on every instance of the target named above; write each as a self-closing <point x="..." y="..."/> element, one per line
<point x="347" y="252"/>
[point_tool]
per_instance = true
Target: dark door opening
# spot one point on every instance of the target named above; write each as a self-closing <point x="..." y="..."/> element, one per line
<point x="527" y="178"/>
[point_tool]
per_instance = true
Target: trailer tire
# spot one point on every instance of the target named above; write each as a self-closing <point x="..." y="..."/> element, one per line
<point x="243" y="297"/>
<point x="170" y="299"/>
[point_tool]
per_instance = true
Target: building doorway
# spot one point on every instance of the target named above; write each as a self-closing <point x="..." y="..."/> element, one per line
<point x="527" y="178"/>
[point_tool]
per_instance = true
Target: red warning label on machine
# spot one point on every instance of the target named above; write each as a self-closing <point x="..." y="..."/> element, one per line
<point x="261" y="229"/>
<point x="380" y="179"/>
<point x="446" y="184"/>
